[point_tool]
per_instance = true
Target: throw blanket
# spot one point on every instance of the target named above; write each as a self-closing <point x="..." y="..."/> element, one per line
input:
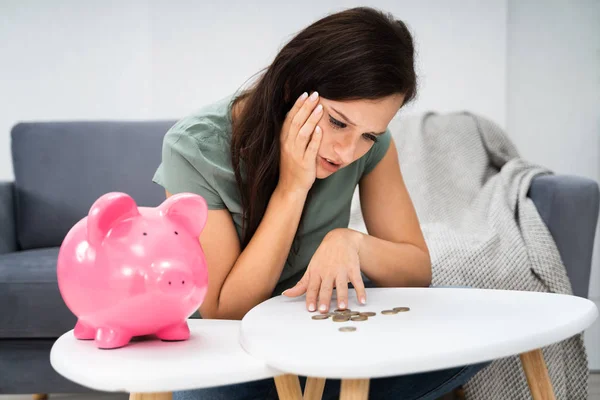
<point x="469" y="187"/>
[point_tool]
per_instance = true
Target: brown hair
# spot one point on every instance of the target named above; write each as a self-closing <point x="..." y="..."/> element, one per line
<point x="358" y="53"/>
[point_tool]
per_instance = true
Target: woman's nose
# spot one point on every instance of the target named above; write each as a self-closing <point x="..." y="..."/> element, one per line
<point x="345" y="150"/>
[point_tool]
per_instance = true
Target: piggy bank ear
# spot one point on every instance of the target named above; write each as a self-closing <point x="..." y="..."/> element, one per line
<point x="108" y="210"/>
<point x="188" y="210"/>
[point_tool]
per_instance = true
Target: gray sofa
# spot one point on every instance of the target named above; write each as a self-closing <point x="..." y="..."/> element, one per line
<point x="60" y="168"/>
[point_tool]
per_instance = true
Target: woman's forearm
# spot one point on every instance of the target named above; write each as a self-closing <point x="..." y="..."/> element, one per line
<point x="256" y="272"/>
<point x="389" y="264"/>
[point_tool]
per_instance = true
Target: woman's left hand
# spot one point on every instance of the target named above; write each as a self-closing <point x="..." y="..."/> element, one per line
<point x="334" y="264"/>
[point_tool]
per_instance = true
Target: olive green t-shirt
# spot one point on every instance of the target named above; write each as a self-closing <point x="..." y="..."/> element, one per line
<point x="196" y="158"/>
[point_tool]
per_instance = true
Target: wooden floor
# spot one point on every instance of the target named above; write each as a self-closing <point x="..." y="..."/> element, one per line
<point x="594" y="394"/>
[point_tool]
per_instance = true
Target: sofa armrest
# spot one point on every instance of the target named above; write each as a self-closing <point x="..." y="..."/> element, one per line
<point x="568" y="206"/>
<point x="8" y="235"/>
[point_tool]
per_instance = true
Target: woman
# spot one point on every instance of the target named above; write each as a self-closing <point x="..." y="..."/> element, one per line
<point x="278" y="168"/>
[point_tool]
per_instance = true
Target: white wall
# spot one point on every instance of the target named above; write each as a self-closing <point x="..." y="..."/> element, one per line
<point x="149" y="59"/>
<point x="553" y="97"/>
<point x="162" y="59"/>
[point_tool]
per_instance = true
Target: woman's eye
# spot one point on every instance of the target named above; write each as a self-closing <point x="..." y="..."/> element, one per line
<point x="338" y="125"/>
<point x="335" y="123"/>
<point x="370" y="137"/>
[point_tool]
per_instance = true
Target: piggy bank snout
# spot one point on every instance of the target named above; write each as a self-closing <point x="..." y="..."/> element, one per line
<point x="176" y="281"/>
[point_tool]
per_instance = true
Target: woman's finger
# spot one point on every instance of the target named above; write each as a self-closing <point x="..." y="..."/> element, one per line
<point x="325" y="294"/>
<point x="312" y="292"/>
<point x="306" y="131"/>
<point x="301" y="116"/>
<point x="359" y="286"/>
<point x="313" y="146"/>
<point x="285" y="131"/>
<point x="299" y="288"/>
<point x="341" y="288"/>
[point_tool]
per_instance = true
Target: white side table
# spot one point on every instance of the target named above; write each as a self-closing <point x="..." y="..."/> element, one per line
<point x="445" y="328"/>
<point x="152" y="369"/>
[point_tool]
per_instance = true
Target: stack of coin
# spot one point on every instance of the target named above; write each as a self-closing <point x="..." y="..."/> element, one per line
<point x="345" y="315"/>
<point x="395" y="310"/>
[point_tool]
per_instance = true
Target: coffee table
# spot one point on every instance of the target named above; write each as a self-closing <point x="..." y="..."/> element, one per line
<point x="152" y="369"/>
<point x="445" y="328"/>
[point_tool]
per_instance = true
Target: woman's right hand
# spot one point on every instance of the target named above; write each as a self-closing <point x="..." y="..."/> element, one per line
<point x="300" y="141"/>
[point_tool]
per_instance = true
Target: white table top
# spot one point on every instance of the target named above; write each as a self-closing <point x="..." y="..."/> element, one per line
<point x="445" y="327"/>
<point x="211" y="357"/>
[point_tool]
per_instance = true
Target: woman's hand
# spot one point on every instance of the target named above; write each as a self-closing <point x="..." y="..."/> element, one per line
<point x="299" y="145"/>
<point x="335" y="263"/>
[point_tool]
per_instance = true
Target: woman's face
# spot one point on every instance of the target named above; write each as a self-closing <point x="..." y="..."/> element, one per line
<point x="350" y="128"/>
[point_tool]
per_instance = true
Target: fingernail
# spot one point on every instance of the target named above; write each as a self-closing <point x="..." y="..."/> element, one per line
<point x="342" y="305"/>
<point x="363" y="300"/>
<point x="323" y="307"/>
<point x="318" y="130"/>
<point x="318" y="109"/>
<point x="311" y="307"/>
<point x="314" y="96"/>
<point x="285" y="291"/>
<point x="303" y="96"/>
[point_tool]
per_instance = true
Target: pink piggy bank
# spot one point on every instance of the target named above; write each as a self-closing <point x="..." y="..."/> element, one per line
<point x="128" y="271"/>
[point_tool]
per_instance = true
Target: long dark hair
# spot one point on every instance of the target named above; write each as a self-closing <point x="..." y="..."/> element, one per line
<point x="358" y="53"/>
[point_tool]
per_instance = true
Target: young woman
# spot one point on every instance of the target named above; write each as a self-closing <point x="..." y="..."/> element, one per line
<point x="278" y="165"/>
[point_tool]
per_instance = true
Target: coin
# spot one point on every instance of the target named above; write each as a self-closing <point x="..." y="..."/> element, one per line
<point x="340" y="309"/>
<point x="343" y="315"/>
<point x="368" y="314"/>
<point x="347" y="329"/>
<point x="401" y="309"/>
<point x="389" y="312"/>
<point x="341" y="318"/>
<point x="320" y="316"/>
<point x="354" y="313"/>
<point x="359" y="318"/>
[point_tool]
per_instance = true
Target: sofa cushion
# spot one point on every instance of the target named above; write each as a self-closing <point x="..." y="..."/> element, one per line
<point x="61" y="168"/>
<point x="30" y="303"/>
<point x="25" y="368"/>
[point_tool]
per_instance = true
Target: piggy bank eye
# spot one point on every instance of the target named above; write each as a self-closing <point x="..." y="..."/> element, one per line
<point x="145" y="234"/>
<point x="177" y="233"/>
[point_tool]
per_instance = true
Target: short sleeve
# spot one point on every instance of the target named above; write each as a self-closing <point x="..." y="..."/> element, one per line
<point x="184" y="168"/>
<point x="376" y="153"/>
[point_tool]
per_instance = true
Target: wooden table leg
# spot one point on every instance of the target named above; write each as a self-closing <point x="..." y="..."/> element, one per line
<point x="151" y="396"/>
<point x="288" y="387"/>
<point x="537" y="375"/>
<point x="314" y="388"/>
<point x="354" y="389"/>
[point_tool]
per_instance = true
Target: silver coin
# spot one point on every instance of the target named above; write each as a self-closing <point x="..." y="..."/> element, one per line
<point x="368" y="314"/>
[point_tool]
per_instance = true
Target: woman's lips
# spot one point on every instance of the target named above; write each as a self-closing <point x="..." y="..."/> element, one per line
<point x="327" y="165"/>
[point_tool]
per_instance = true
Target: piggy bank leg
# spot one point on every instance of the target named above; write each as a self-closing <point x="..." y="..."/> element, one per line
<point x="83" y="331"/>
<point x="179" y="331"/>
<point x="109" y="338"/>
